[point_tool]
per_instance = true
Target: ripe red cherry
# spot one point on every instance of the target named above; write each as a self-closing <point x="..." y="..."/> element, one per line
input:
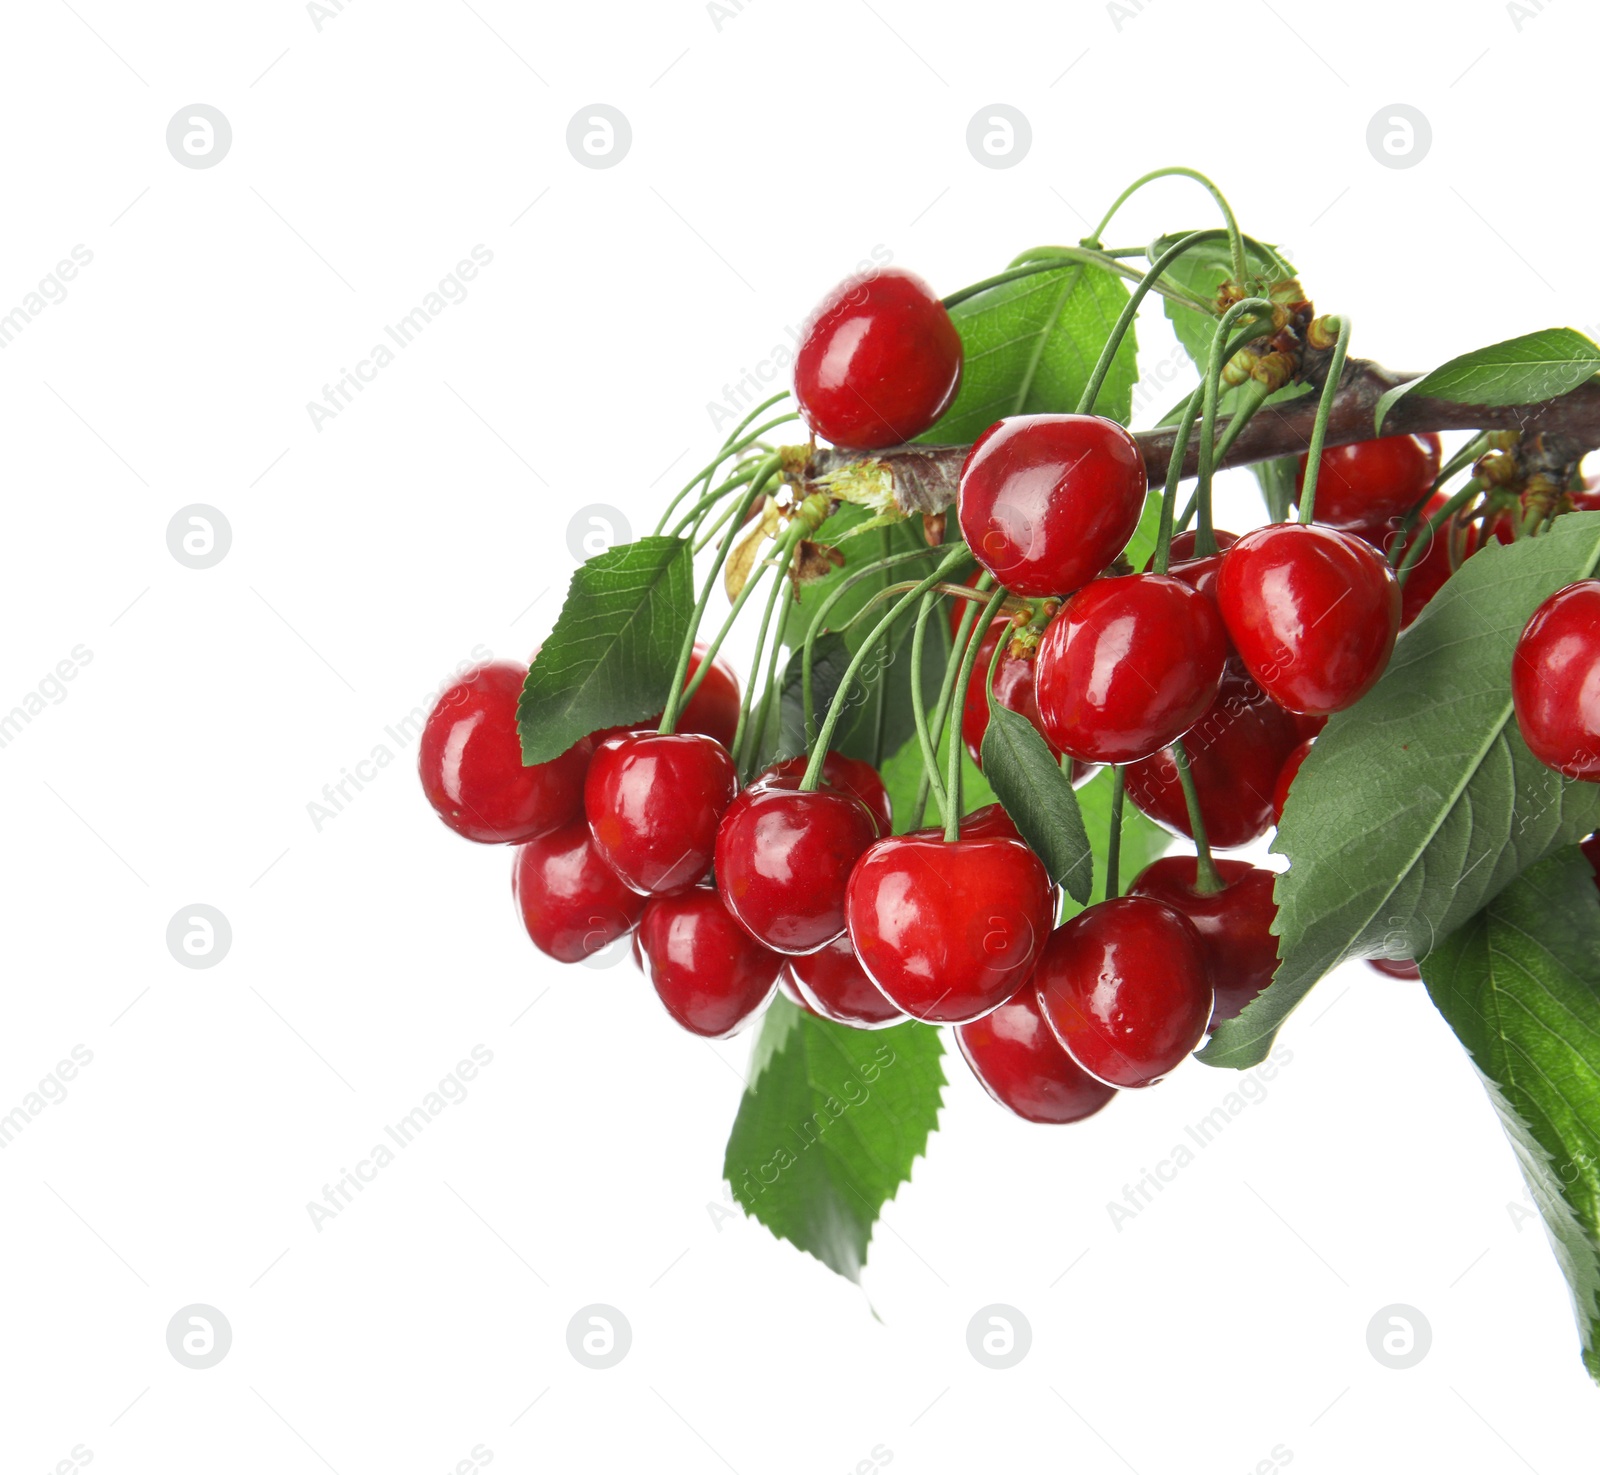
<point x="1235" y="924"/>
<point x="1363" y="485"/>
<point x="1236" y="752"/>
<point x="948" y="930"/>
<point x="710" y="973"/>
<point x="879" y="361"/>
<point x="787" y="987"/>
<point x="1127" y="665"/>
<point x="1013" y="689"/>
<point x="1555" y="681"/>
<point x="832" y="983"/>
<point x="470" y="763"/>
<point x="1394" y="967"/>
<point x="1124" y="987"/>
<point x="572" y="902"/>
<point x="1312" y="612"/>
<point x="1022" y="1065"/>
<point x="1047" y="501"/>
<point x="1280" y="790"/>
<point x="784" y="859"/>
<point x="654" y="802"/>
<point x="1197" y="571"/>
<point x="851" y="776"/>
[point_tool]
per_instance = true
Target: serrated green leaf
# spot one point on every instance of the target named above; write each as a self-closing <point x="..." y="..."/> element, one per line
<point x="612" y="655"/>
<point x="1421" y="803"/>
<point x="1030" y="346"/>
<point x="1142" y="839"/>
<point x="1520" y="986"/>
<point x="1537" y="366"/>
<point x="1039" y="798"/>
<point x="829" y="1127"/>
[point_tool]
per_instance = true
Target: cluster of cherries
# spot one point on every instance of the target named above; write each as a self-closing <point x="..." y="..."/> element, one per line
<point x="731" y="891"/>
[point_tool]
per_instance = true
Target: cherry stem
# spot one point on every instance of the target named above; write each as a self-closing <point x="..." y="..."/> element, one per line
<point x="1119" y="784"/>
<point x="1319" y="427"/>
<point x="1464" y="457"/>
<point x="952" y="783"/>
<point x="1205" y="542"/>
<point x="941" y="708"/>
<point x="1058" y="258"/>
<point x="819" y="621"/>
<point x="1235" y="239"/>
<point x="784" y="554"/>
<point x="741" y="477"/>
<point x="1169" y="494"/>
<point x="919" y="708"/>
<point x="1424" y="540"/>
<point x="819" y="750"/>
<point x="678" y="696"/>
<point x="1207" y="882"/>
<point x="706" y="472"/>
<point x="1091" y="390"/>
<point x="711" y="498"/>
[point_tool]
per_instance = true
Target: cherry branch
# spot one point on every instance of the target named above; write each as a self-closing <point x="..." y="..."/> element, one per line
<point x="924" y="478"/>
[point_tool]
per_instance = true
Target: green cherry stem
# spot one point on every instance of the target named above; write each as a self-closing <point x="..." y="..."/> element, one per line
<point x="1464" y="457"/>
<point x="1058" y="258"/>
<point x="952" y="783"/>
<point x="1114" y="834"/>
<point x="782" y="559"/>
<point x="1424" y="540"/>
<point x="1319" y="428"/>
<point x="941" y="707"/>
<point x="919" y="705"/>
<point x="841" y="697"/>
<point x="712" y="498"/>
<point x="1207" y="881"/>
<point x="1205" y="543"/>
<point x="1235" y="239"/>
<point x="1169" y="493"/>
<point x="709" y="470"/>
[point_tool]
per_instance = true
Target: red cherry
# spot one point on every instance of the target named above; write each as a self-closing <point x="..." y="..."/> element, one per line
<point x="709" y="972"/>
<point x="1196" y="571"/>
<point x="786" y="987"/>
<point x="1306" y="726"/>
<point x="879" y="361"/>
<point x="1555" y="681"/>
<point x="1280" y="790"/>
<point x="1394" y="967"/>
<point x="654" y="802"/>
<point x="1128" y="665"/>
<point x="1365" y="484"/>
<point x="833" y="983"/>
<point x="1022" y="1065"/>
<point x="1235" y="924"/>
<point x="1236" y="752"/>
<point x="1124" y="987"/>
<point x="1312" y="612"/>
<point x="852" y="776"/>
<point x="1591" y="853"/>
<point x="949" y="930"/>
<point x="1047" y="501"/>
<point x="1013" y="689"/>
<point x="1428" y="574"/>
<point x="470" y="763"/>
<point x="571" y="901"/>
<point x="784" y="859"/>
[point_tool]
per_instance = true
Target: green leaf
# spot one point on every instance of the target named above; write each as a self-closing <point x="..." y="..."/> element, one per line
<point x="1520" y="986"/>
<point x="1420" y="804"/>
<point x="829" y="1126"/>
<point x="1039" y="798"/>
<point x="902" y="776"/>
<point x="1142" y="545"/>
<point x="1202" y="270"/>
<point x="612" y="655"/>
<point x="1030" y="346"/>
<point x="1537" y="366"/>
<point x="1142" y="839"/>
<point x="1276" y="480"/>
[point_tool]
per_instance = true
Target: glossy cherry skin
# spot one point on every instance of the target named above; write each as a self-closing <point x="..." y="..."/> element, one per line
<point x="1235" y="924"/>
<point x="851" y="776"/>
<point x="1363" y="485"/>
<point x="1047" y="501"/>
<point x="1591" y="853"/>
<point x="784" y="859"/>
<point x="1124" y="987"/>
<point x="710" y="973"/>
<point x="1236" y="752"/>
<point x="572" y="902"/>
<point x="1286" y="776"/>
<point x="949" y="930"/>
<point x="1312" y="612"/>
<point x="470" y="763"/>
<point x="1013" y="689"/>
<point x="654" y="802"/>
<point x="1197" y="571"/>
<point x="833" y="984"/>
<point x="1555" y="681"/>
<point x="786" y="987"/>
<point x="1021" y="1064"/>
<point x="1128" y="665"/>
<point x="1395" y="967"/>
<point x="879" y="361"/>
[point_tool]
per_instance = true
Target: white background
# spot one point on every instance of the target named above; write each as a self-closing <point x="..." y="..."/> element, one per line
<point x="1225" y="1328"/>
